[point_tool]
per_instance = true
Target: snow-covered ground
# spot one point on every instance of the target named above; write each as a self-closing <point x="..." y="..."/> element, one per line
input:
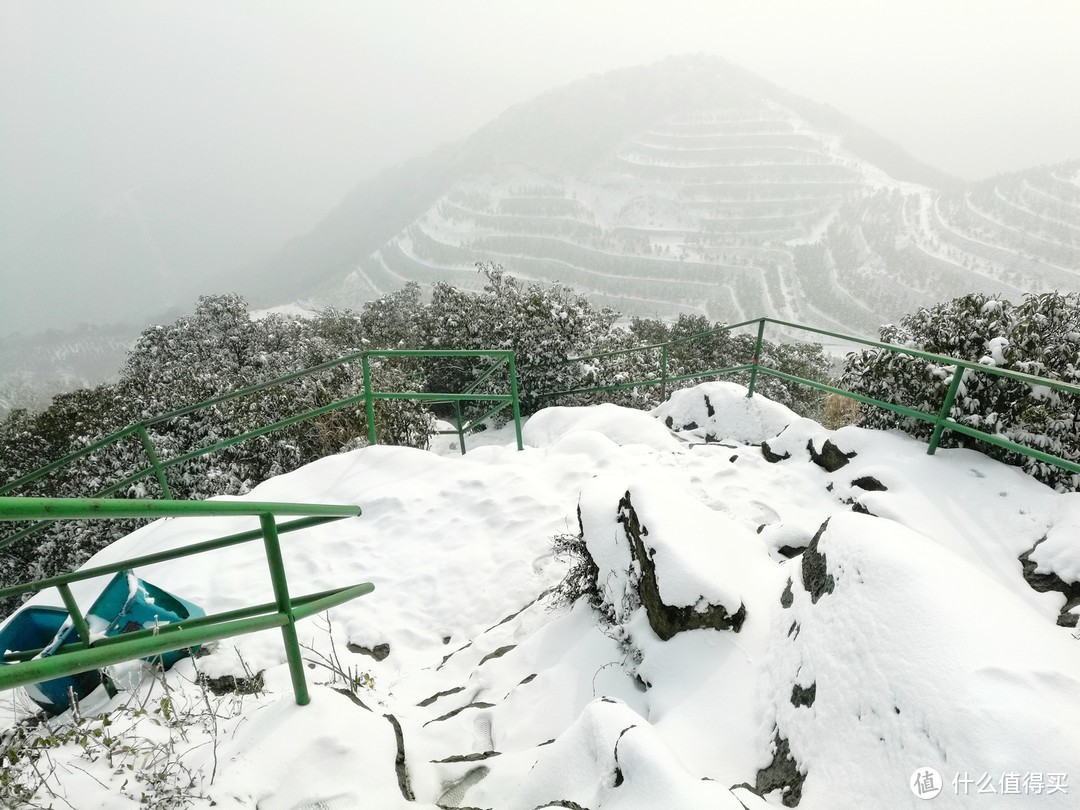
<point x="841" y="639"/>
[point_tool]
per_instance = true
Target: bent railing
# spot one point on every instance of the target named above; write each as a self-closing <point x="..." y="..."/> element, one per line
<point x="23" y="667"/>
<point x="940" y="420"/>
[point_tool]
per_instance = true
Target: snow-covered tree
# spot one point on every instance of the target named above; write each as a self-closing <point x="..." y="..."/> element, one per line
<point x="1039" y="336"/>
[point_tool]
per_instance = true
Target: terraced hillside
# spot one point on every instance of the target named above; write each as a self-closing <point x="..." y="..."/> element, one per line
<point x="692" y="186"/>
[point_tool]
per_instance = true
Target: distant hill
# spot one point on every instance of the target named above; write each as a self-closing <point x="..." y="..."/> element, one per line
<point x="33" y="368"/>
<point x="691" y="186"/>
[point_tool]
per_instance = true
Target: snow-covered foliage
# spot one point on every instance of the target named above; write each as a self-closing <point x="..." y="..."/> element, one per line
<point x="542" y="324"/>
<point x="1040" y="336"/>
<point x="698" y="345"/>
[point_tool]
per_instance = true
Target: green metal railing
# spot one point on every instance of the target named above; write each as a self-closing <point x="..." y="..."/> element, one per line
<point x="88" y="654"/>
<point x="940" y="420"/>
<point x="156" y="466"/>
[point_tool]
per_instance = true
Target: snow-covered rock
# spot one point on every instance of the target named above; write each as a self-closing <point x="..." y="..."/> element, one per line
<point x="722" y="411"/>
<point x="621" y="425"/>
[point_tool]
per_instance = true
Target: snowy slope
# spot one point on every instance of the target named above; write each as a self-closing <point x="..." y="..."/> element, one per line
<point x="888" y="644"/>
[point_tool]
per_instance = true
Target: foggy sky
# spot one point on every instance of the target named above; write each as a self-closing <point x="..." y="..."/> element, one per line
<point x="293" y="103"/>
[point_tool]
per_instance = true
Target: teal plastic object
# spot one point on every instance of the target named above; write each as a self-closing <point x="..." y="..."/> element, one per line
<point x="34" y="628"/>
<point x="129" y="603"/>
<point x="126" y="604"/>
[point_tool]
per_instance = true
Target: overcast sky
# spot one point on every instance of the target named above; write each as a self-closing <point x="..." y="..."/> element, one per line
<point x="297" y="101"/>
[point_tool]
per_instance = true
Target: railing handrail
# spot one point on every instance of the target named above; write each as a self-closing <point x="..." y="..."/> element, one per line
<point x="30" y="508"/>
<point x="89" y="653"/>
<point x="940" y="421"/>
<point x="1020" y="376"/>
<point x="157" y="466"/>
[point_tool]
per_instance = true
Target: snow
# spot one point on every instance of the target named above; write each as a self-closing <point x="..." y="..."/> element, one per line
<point x="1060" y="552"/>
<point x="928" y="651"/>
<point x="722" y="410"/>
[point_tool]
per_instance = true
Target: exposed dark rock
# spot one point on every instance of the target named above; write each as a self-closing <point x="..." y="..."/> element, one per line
<point x="858" y="507"/>
<point x="467" y="757"/>
<point x="787" y="598"/>
<point x="445" y="640"/>
<point x="521" y="610"/>
<point x="691" y="425"/>
<point x="399" y="761"/>
<point x="459" y="710"/>
<point x="450" y="655"/>
<point x="527" y="679"/>
<point x="231" y="685"/>
<point x="732" y="459"/>
<point x="770" y="456"/>
<point x="803" y="696"/>
<point x="564" y="803"/>
<point x="793" y="629"/>
<point x="669" y="422"/>
<point x="499" y="653"/>
<point x="831" y="458"/>
<point x="791" y="551"/>
<point x="437" y="695"/>
<point x="667" y="620"/>
<point x="1052" y="582"/>
<point x="761" y="527"/>
<point x="618" y="768"/>
<point x="781" y="774"/>
<point x="815" y="573"/>
<point x="870" y="484"/>
<point x="709" y="409"/>
<point x="379" y="652"/>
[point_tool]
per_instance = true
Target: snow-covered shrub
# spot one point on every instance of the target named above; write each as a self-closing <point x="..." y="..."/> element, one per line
<point x="1039" y="336"/>
<point x="698" y="345"/>
<point x="542" y="324"/>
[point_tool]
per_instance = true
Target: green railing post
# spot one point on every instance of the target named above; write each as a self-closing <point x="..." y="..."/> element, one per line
<point x="663" y="373"/>
<point x="756" y="358"/>
<point x="460" y="432"/>
<point x="74" y="613"/>
<point x="515" y="404"/>
<point x="369" y="402"/>
<point x="155" y="463"/>
<point x="284" y="606"/>
<point x="943" y="414"/>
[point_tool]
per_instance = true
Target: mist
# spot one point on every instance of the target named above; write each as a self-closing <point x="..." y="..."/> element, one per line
<point x="278" y="109"/>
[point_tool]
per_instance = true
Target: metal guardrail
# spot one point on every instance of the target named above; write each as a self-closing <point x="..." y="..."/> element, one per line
<point x="939" y="420"/>
<point x="88" y="654"/>
<point x="156" y="466"/>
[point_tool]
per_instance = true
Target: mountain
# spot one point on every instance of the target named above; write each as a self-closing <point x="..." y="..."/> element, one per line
<point x="692" y="186"/>
<point x="33" y="368"/>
